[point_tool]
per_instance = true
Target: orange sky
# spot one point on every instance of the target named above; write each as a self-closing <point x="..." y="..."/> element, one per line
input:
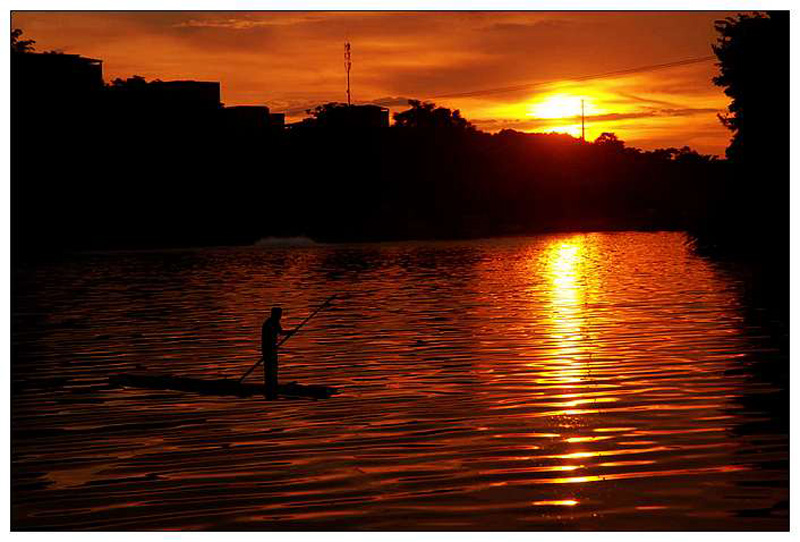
<point x="292" y="61"/>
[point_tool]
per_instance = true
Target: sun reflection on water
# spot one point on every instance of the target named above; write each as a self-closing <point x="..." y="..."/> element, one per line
<point x="565" y="272"/>
<point x="564" y="267"/>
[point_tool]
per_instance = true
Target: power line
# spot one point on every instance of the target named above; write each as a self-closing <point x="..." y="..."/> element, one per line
<point x="616" y="73"/>
<point x="515" y="88"/>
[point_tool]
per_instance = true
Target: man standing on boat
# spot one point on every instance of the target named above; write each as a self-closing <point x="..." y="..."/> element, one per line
<point x="270" y="331"/>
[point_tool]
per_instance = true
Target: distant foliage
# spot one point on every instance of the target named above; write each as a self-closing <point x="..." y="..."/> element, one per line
<point x="425" y="115"/>
<point x="321" y="112"/>
<point x="135" y="82"/>
<point x="610" y="140"/>
<point x="684" y="154"/>
<point x="19" y="45"/>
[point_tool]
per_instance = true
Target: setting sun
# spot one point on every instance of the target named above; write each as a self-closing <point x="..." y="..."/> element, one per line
<point x="561" y="112"/>
<point x="556" y="106"/>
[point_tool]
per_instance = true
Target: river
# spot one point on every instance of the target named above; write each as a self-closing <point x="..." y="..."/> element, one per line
<point x="573" y="381"/>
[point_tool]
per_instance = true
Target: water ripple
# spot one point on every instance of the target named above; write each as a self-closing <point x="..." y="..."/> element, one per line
<point x="590" y="381"/>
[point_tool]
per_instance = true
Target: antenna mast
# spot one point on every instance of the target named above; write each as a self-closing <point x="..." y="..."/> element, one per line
<point x="347" y="64"/>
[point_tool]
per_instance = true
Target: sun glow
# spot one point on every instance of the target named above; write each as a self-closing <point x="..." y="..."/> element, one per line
<point x="563" y="110"/>
<point x="556" y="106"/>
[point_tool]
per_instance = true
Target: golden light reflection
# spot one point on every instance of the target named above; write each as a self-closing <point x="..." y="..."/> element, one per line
<point x="641" y="474"/>
<point x="566" y="297"/>
<point x="587" y="439"/>
<point x="577" y="368"/>
<point x="555" y="503"/>
<point x="566" y="265"/>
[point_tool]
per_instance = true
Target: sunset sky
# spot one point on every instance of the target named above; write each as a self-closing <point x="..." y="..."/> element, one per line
<point x="293" y="61"/>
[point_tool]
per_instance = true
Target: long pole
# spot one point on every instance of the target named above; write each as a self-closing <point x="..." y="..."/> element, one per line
<point x="295" y="330"/>
<point x="583" y="124"/>
<point x="347" y="64"/>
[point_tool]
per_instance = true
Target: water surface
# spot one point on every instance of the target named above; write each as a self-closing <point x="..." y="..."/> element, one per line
<point x="581" y="381"/>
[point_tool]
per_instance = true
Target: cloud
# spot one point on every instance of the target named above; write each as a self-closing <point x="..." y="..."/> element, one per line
<point x="242" y="22"/>
<point x="534" y="122"/>
<point x="636" y="98"/>
<point x="390" y="101"/>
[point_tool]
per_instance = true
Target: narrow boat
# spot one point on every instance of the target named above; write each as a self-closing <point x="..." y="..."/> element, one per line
<point x="216" y="387"/>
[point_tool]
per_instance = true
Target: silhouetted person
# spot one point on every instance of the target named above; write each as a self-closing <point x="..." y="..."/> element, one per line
<point x="270" y="331"/>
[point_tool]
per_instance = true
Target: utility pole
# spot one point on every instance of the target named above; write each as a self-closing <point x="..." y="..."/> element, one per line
<point x="583" y="123"/>
<point x="347" y="64"/>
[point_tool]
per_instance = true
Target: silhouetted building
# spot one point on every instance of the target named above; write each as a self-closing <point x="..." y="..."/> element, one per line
<point x="359" y="116"/>
<point x="180" y="109"/>
<point x="186" y="95"/>
<point x="52" y="92"/>
<point x="369" y="116"/>
<point x="277" y="120"/>
<point x="55" y="77"/>
<point x="166" y="99"/>
<point x="252" y="121"/>
<point x="343" y="116"/>
<point x="54" y="101"/>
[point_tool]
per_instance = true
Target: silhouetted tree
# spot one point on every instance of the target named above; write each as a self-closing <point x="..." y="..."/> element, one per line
<point x="610" y="141"/>
<point x="322" y="112"/>
<point x="746" y="211"/>
<point x="753" y="51"/>
<point x="19" y="45"/>
<point x="426" y="115"/>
